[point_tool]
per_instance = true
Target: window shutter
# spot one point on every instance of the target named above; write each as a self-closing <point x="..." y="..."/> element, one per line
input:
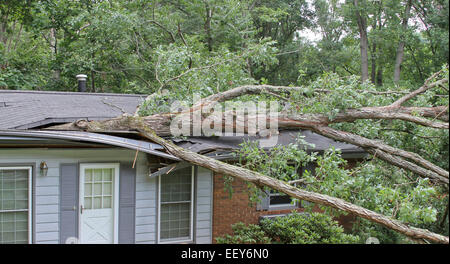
<point x="127" y="203"/>
<point x="263" y="204"/>
<point x="311" y="167"/>
<point x="68" y="204"/>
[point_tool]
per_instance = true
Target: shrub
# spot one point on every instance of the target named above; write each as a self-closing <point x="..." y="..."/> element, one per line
<point x="314" y="228"/>
<point x="242" y="234"/>
<point x="295" y="228"/>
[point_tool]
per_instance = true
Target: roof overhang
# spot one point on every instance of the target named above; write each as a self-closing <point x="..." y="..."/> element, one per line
<point x="79" y="136"/>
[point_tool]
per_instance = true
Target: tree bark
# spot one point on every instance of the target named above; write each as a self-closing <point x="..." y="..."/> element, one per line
<point x="363" y="41"/>
<point x="262" y="180"/>
<point x="152" y="127"/>
<point x="207" y="26"/>
<point x="373" y="74"/>
<point x="401" y="44"/>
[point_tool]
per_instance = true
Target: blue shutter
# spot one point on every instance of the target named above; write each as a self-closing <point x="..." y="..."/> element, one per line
<point x="68" y="202"/>
<point x="311" y="167"/>
<point x="263" y="204"/>
<point x="127" y="203"/>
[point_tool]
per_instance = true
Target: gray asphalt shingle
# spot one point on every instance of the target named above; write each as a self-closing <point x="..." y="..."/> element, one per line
<point x="27" y="109"/>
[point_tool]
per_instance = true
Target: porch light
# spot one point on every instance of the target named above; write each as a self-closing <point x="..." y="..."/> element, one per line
<point x="43" y="168"/>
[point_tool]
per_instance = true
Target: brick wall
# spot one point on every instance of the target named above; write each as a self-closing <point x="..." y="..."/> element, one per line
<point x="228" y="211"/>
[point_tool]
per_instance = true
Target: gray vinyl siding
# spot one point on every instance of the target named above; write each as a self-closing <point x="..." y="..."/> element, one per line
<point x="146" y="207"/>
<point x="46" y="209"/>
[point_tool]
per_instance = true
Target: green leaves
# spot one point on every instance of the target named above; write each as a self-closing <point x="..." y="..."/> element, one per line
<point x="242" y="234"/>
<point x="295" y="228"/>
<point x="371" y="184"/>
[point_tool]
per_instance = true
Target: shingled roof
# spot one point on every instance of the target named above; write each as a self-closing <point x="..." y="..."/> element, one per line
<point x="230" y="143"/>
<point x="31" y="109"/>
<point x="35" y="109"/>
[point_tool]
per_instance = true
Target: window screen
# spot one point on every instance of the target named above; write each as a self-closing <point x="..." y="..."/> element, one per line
<point x="14" y="205"/>
<point x="176" y="205"/>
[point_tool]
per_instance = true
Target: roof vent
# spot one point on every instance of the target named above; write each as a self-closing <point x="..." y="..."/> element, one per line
<point x="81" y="82"/>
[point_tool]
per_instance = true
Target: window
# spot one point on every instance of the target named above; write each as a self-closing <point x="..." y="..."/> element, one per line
<point x="176" y="205"/>
<point x="275" y="200"/>
<point x="280" y="199"/>
<point x="15" y="205"/>
<point x="98" y="188"/>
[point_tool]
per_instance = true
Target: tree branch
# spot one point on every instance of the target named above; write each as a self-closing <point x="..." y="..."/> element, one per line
<point x="254" y="177"/>
<point x="422" y="89"/>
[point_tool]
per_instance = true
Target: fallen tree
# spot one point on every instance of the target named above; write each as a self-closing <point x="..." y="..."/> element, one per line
<point x="154" y="127"/>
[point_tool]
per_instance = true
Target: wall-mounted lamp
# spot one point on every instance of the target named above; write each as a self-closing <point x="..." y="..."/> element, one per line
<point x="43" y="168"/>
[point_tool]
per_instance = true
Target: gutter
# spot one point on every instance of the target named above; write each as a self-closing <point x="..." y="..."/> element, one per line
<point x="143" y="146"/>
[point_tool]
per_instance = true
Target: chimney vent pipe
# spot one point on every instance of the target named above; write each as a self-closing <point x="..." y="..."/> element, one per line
<point x="81" y="82"/>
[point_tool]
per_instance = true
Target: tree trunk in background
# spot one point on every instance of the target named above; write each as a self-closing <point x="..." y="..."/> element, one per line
<point x="364" y="43"/>
<point x="208" y="26"/>
<point x="379" y="75"/>
<point x="373" y="59"/>
<point x="54" y="46"/>
<point x="401" y="44"/>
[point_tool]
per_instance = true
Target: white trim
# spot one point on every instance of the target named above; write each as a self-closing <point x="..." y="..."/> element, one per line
<point x="30" y="199"/>
<point x="191" y="235"/>
<point x="116" y="167"/>
<point x="283" y="206"/>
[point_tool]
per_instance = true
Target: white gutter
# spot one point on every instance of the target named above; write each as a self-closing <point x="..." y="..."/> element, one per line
<point x="143" y="146"/>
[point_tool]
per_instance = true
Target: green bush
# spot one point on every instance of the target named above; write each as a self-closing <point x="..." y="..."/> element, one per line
<point x="314" y="228"/>
<point x="295" y="228"/>
<point x="242" y="234"/>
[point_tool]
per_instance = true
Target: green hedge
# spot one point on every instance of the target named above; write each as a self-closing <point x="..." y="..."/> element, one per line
<point x="295" y="228"/>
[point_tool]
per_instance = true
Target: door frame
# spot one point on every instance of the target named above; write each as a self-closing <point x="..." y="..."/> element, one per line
<point x="116" y="167"/>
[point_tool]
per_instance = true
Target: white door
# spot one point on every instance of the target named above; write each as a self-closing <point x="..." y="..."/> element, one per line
<point x="98" y="203"/>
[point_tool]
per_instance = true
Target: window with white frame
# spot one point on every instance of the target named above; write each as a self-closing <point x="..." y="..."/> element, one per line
<point x="274" y="200"/>
<point x="15" y="205"/>
<point x="277" y="199"/>
<point x="176" y="196"/>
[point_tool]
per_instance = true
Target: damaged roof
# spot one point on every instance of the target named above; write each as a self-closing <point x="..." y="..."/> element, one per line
<point x="225" y="144"/>
<point x="24" y="110"/>
<point x="31" y="109"/>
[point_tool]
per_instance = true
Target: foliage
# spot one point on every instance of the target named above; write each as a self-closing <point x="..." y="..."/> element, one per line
<point x="123" y="45"/>
<point x="281" y="162"/>
<point x="372" y="184"/>
<point x="174" y="49"/>
<point x="243" y="234"/>
<point x="313" y="228"/>
<point x="295" y="228"/>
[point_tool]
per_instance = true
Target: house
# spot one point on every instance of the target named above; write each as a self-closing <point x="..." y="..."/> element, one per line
<point x="115" y="187"/>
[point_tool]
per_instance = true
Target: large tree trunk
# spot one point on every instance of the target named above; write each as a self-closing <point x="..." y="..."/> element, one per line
<point x="152" y="127"/>
<point x="138" y="124"/>
<point x="262" y="180"/>
<point x="401" y="44"/>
